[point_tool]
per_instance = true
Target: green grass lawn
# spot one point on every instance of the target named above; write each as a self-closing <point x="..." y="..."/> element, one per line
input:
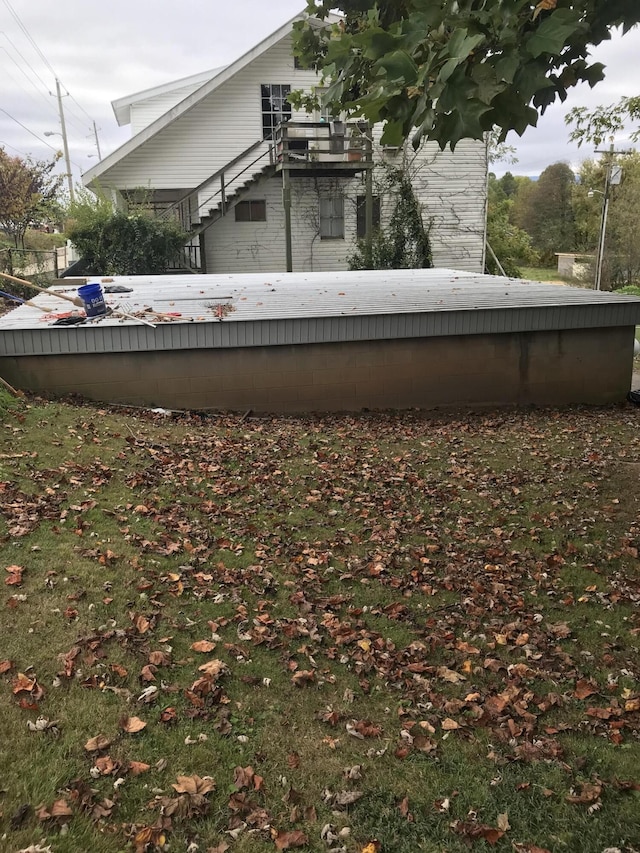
<point x="540" y="274"/>
<point x="386" y="632"/>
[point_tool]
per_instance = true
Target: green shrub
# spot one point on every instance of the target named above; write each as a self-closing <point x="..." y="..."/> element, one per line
<point x="113" y="242"/>
<point x="630" y="290"/>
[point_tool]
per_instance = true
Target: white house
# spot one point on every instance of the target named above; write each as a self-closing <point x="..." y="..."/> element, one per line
<point x="225" y="151"/>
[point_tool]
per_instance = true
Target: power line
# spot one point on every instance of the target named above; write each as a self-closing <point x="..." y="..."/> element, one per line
<point x="79" y="105"/>
<point x="26" y="62"/>
<point x="74" y="117"/>
<point x="35" y="46"/>
<point x="78" y="122"/>
<point x="24" y="153"/>
<point x="46" y="100"/>
<point x="28" y="36"/>
<point x="39" y="138"/>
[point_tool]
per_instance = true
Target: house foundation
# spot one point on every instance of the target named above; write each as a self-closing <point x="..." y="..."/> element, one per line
<point x="569" y="366"/>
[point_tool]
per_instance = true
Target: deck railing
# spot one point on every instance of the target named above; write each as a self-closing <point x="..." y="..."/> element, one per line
<point x="323" y="143"/>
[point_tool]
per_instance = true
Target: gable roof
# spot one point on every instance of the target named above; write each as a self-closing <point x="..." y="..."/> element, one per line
<point x="122" y="106"/>
<point x="189" y="102"/>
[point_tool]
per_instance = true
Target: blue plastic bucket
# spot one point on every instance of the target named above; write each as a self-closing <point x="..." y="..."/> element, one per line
<point x="91" y="295"/>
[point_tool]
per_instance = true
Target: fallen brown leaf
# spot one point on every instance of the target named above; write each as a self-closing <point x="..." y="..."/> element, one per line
<point x="105" y="765"/>
<point x="585" y="688"/>
<point x="15" y="575"/>
<point x="131" y="725"/>
<point x="23" y="684"/>
<point x="287" y="840"/>
<point x="589" y="793"/>
<point x="194" y="785"/>
<point x="204" y="646"/>
<point x="97" y="743"/>
<point x="303" y="678"/>
<point x="213" y="668"/>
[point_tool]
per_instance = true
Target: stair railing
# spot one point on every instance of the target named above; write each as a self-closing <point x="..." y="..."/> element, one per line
<point x="221" y="173"/>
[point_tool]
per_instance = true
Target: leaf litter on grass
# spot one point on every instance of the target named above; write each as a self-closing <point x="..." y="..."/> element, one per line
<point x="447" y="603"/>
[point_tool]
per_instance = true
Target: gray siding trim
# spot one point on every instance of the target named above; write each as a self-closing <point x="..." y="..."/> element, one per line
<point x="279" y="332"/>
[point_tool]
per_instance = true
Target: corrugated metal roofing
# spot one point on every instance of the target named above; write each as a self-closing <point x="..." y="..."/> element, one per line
<point x="265" y="309"/>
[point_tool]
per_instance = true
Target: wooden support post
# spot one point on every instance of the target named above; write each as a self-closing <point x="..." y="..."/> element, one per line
<point x="286" y="202"/>
<point x="223" y="196"/>
<point x="203" y="252"/>
<point x="368" y="206"/>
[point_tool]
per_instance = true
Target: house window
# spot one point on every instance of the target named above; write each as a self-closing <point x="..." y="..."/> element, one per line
<point x="361" y="215"/>
<point x="275" y="107"/>
<point x="251" y="211"/>
<point x="332" y="217"/>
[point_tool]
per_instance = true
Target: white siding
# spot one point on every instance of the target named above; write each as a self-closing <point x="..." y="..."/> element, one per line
<point x="214" y="131"/>
<point x="143" y="113"/>
<point x="450" y="186"/>
<point x="260" y="246"/>
<point x="454" y="215"/>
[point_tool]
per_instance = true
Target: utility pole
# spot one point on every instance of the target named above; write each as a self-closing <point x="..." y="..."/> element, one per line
<point x="64" y="141"/>
<point x="95" y="133"/>
<point x="612" y="177"/>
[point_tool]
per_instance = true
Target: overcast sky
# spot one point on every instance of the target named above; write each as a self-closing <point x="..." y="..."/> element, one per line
<point x="101" y="52"/>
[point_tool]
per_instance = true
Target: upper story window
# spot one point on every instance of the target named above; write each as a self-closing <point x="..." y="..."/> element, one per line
<point x="275" y="107"/>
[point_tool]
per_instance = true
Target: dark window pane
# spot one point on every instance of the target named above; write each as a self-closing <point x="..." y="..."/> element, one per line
<point x="243" y="211"/>
<point x="331" y="217"/>
<point x="259" y="210"/>
<point x="251" y="211"/>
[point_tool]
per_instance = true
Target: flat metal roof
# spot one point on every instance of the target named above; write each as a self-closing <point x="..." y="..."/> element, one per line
<point x="265" y="309"/>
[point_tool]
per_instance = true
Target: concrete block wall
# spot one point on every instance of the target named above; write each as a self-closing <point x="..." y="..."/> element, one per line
<point x="546" y="368"/>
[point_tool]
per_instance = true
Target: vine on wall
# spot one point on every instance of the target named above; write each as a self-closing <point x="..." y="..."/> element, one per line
<point x="404" y="243"/>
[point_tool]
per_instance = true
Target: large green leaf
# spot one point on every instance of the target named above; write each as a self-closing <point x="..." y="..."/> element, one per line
<point x="447" y="69"/>
<point x="553" y="32"/>
<point x="400" y="67"/>
<point x="461" y="43"/>
<point x="393" y="133"/>
<point x="395" y="59"/>
<point x="487" y="84"/>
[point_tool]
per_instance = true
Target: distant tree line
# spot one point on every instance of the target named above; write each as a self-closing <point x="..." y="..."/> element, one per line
<point x="529" y="221"/>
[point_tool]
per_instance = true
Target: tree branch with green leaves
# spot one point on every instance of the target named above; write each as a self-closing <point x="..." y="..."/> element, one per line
<point x="596" y="126"/>
<point x="454" y="69"/>
<point x="28" y="194"/>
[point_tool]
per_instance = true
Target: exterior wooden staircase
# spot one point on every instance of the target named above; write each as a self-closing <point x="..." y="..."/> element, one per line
<point x="303" y="149"/>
